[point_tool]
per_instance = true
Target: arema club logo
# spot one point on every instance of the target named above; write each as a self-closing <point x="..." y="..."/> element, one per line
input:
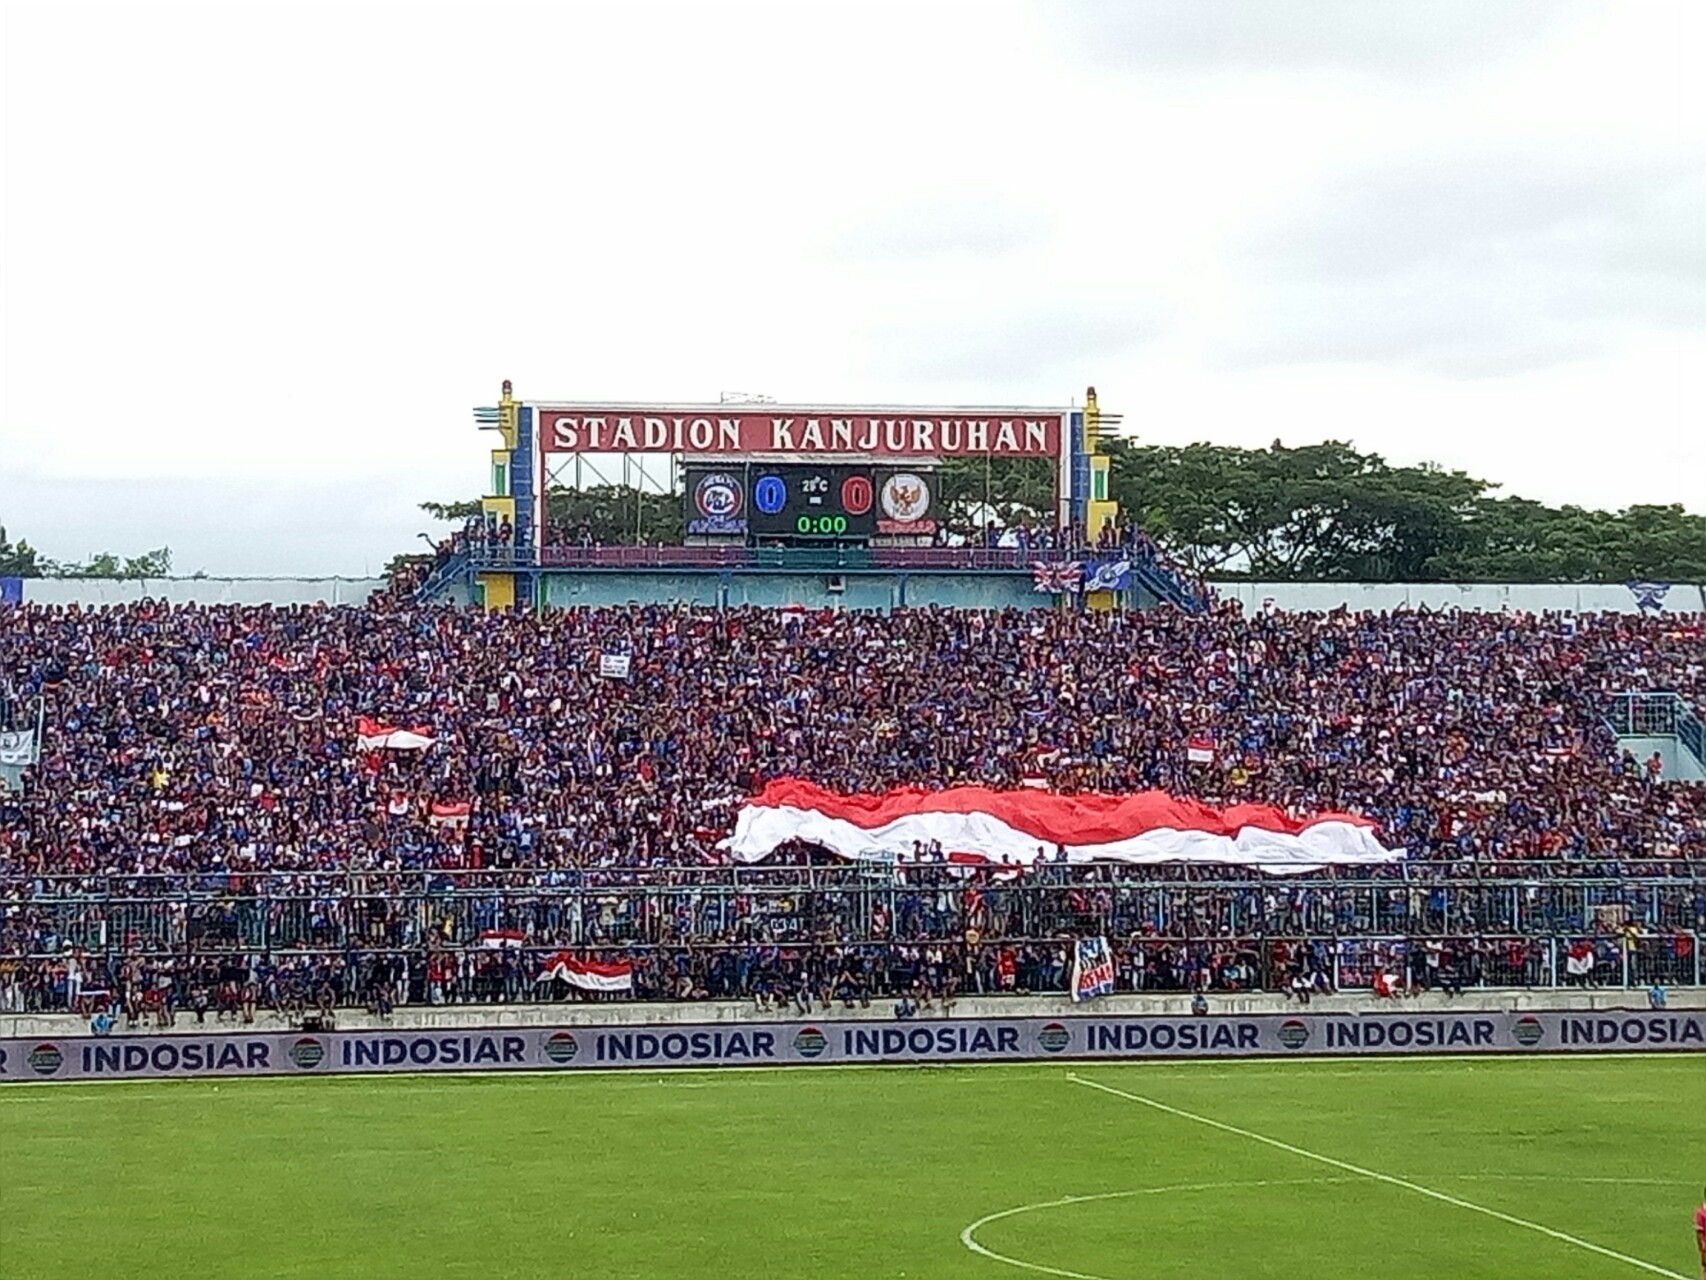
<point x="45" y="1059"/>
<point x="718" y="496"/>
<point x="1054" y="1037"/>
<point x="809" y="1042"/>
<point x="561" y="1048"/>
<point x="1293" y="1034"/>
<point x="1528" y="1032"/>
<point x="307" y="1053"/>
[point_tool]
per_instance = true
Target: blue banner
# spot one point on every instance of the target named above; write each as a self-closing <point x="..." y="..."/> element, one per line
<point x="1107" y="575"/>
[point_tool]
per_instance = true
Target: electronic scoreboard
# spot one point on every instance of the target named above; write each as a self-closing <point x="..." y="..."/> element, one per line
<point x="804" y="501"/>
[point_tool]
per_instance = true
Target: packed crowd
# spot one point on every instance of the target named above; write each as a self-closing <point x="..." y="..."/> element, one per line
<point x="228" y="984"/>
<point x="212" y="744"/>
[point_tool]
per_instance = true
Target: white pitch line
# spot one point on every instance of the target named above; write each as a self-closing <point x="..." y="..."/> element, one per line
<point x="1387" y="1178"/>
<point x="968" y="1237"/>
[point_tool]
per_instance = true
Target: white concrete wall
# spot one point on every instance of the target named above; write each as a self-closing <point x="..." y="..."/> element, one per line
<point x="99" y="591"/>
<point x="1679" y="763"/>
<point x="1301" y="597"/>
<point x="1292" y="596"/>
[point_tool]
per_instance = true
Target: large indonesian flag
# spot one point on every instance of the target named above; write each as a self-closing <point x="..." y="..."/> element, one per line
<point x="372" y="735"/>
<point x="1010" y="826"/>
<point x="593" y="975"/>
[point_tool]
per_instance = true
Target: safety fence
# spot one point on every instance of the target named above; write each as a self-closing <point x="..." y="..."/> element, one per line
<point x="222" y="982"/>
<point x="792" y="905"/>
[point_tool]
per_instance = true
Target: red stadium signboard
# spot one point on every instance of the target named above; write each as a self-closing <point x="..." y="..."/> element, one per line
<point x="713" y="430"/>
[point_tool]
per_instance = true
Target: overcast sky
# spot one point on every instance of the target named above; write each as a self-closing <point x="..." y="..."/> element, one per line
<point x="260" y="259"/>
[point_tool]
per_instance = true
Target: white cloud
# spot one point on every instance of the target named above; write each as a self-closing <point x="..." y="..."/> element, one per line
<point x="283" y="247"/>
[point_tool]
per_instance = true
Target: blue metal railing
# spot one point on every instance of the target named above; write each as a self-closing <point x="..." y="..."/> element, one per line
<point x="442" y="577"/>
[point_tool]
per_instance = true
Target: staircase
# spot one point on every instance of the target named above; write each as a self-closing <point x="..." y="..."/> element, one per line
<point x="442" y="578"/>
<point x="1165" y="587"/>
<point x="1663" y="722"/>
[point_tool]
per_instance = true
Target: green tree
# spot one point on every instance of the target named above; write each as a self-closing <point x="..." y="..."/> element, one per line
<point x="614" y="514"/>
<point x="150" y="564"/>
<point x="1328" y="512"/>
<point x="1011" y="490"/>
<point x="455" y="512"/>
<point x="20" y="560"/>
<point x="1318" y="512"/>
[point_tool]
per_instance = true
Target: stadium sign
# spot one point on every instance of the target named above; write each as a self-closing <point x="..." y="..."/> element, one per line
<point x="865" y="1040"/>
<point x="806" y="432"/>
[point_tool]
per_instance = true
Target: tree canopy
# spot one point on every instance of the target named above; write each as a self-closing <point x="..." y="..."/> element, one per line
<point x="19" y="559"/>
<point x="1326" y="512"/>
<point x="1319" y="512"/>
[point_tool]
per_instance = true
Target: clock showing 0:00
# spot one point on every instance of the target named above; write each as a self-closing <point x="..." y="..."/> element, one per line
<point x="821" y="526"/>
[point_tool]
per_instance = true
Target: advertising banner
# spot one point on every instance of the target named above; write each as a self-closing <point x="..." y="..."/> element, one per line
<point x="778" y="429"/>
<point x="832" y="1041"/>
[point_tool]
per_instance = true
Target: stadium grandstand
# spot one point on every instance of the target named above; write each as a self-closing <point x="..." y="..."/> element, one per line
<point x="939" y="821"/>
<point x="238" y="807"/>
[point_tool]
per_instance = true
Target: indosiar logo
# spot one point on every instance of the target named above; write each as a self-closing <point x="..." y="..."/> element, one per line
<point x="1528" y="1032"/>
<point x="561" y="1048"/>
<point x="1293" y="1034"/>
<point x="1054" y="1037"/>
<point x="307" y="1053"/>
<point x="45" y="1059"/>
<point x="809" y="1042"/>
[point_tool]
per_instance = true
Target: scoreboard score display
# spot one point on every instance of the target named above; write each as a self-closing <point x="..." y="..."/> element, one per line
<point x="803" y="501"/>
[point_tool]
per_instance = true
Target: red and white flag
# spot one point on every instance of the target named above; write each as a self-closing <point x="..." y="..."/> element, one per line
<point x="502" y="939"/>
<point x="372" y="735"/>
<point x="1199" y="749"/>
<point x="591" y="975"/>
<point x="1009" y="827"/>
<point x="450" y="813"/>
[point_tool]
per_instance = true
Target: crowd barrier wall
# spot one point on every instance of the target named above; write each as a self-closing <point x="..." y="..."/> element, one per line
<point x="835" y="1042"/>
<point x="94" y="592"/>
<point x="958" y="589"/>
<point x="1520" y="597"/>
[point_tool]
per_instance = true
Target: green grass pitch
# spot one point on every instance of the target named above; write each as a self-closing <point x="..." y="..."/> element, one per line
<point x="869" y="1173"/>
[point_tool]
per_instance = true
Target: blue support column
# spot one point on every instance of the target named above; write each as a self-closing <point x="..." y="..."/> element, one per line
<point x="1079" y="498"/>
<point x="523" y="482"/>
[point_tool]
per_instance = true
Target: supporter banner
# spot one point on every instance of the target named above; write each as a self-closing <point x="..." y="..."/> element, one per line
<point x="375" y="735"/>
<point x="1107" y="575"/>
<point x="779" y="429"/>
<point x="18" y="747"/>
<point x="830" y="1041"/>
<point x="1019" y="827"/>
<point x="1092" y="969"/>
